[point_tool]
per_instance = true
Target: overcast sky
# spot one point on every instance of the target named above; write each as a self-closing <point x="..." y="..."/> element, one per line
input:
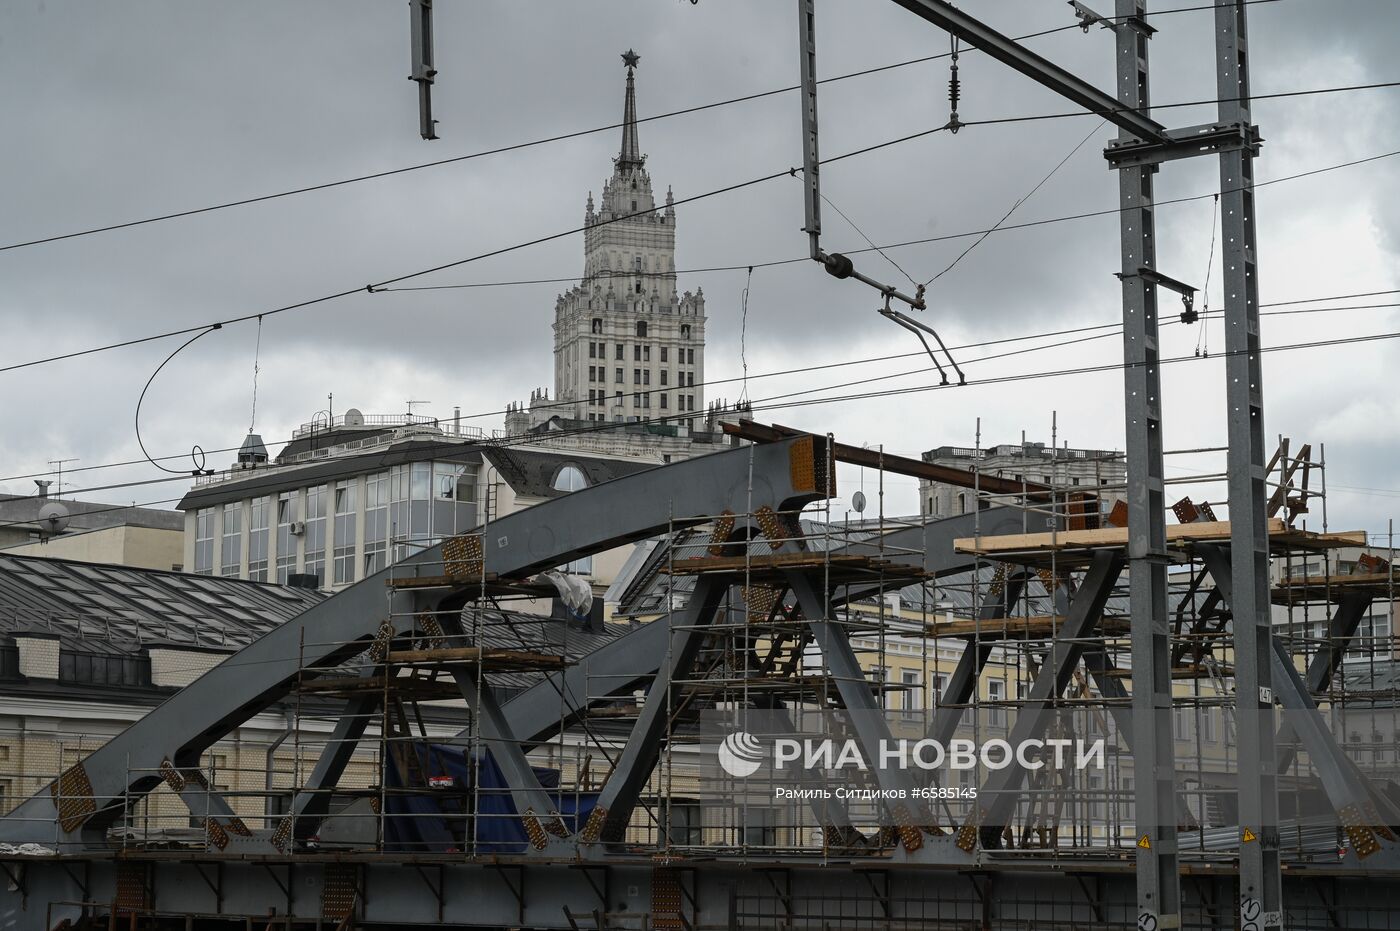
<point x="114" y="112"/>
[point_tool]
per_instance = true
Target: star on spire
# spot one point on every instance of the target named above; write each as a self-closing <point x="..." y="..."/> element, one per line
<point x="630" y="58"/>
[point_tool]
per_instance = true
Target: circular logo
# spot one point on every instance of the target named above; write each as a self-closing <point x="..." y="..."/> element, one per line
<point x="740" y="754"/>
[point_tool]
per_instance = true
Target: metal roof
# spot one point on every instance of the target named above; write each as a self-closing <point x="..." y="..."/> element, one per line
<point x="119" y="609"/>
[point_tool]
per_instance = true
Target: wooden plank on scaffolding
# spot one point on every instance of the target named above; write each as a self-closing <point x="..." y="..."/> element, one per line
<point x="1117" y="537"/>
<point x="491" y="657"/>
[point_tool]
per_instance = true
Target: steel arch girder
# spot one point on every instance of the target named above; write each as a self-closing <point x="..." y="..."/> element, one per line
<point x="631" y="661"/>
<point x="782" y="476"/>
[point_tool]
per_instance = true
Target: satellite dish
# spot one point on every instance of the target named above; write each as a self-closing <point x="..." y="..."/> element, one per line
<point x="858" y="502"/>
<point x="53" y="519"/>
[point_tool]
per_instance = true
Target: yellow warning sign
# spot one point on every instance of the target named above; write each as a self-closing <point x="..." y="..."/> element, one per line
<point x="1248" y="836"/>
<point x="1145" y="842"/>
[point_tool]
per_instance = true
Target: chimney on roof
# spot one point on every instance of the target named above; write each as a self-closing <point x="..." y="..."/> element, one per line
<point x="43" y="484"/>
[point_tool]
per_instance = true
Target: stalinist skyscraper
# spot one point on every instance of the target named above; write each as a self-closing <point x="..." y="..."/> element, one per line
<point x="627" y="347"/>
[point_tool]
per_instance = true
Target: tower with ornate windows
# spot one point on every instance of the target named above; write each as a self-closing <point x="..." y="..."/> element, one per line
<point x="627" y="346"/>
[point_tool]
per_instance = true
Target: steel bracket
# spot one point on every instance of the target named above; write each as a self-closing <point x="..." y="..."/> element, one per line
<point x="1188" y="142"/>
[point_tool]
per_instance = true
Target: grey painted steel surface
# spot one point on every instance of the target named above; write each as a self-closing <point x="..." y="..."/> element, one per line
<point x="867" y="719"/>
<point x="811" y="161"/>
<point x="633" y="766"/>
<point x="1127" y="115"/>
<point x="494" y="730"/>
<point x="1342" y="782"/>
<point x="1324" y="665"/>
<point x="1260" y="876"/>
<point x="1159" y="885"/>
<point x="758" y="894"/>
<point x="999" y="793"/>
<point x="337" y="629"/>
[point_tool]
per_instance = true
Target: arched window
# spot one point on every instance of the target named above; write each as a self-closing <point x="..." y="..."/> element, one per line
<point x="570" y="478"/>
<point x="641" y="329"/>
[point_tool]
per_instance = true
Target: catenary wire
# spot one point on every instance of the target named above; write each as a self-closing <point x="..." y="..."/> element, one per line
<point x="869" y="360"/>
<point x="787" y="401"/>
<point x="515" y="147"/>
<point x="373" y="288"/>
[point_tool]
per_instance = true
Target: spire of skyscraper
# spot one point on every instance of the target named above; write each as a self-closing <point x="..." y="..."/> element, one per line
<point x="631" y="155"/>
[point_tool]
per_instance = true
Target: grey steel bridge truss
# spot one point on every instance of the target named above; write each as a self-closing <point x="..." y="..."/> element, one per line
<point x="925" y="869"/>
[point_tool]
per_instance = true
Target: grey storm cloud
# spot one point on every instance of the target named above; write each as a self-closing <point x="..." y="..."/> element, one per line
<point x="121" y="111"/>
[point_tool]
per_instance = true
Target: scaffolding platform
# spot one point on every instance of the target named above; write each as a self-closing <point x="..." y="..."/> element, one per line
<point x="771" y="567"/>
<point x="1333" y="587"/>
<point x="1076" y="546"/>
<point x="1011" y="628"/>
<point x="402" y="687"/>
<point x="499" y="659"/>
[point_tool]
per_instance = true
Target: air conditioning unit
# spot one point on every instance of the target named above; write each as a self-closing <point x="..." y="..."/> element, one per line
<point x="298" y="527"/>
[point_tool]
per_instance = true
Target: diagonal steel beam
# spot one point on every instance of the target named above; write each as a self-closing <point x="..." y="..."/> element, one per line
<point x="999" y="795"/>
<point x="634" y="765"/>
<point x="1324" y="665"/>
<point x="1039" y="69"/>
<point x="867" y="718"/>
<point x="958" y="692"/>
<point x="536" y="809"/>
<point x="1348" y="792"/>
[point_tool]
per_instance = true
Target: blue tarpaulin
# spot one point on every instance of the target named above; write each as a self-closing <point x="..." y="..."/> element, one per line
<point x="439" y="818"/>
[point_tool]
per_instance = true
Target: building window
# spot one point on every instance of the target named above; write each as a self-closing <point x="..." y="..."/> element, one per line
<point x="287" y="517"/>
<point x="641" y="329"/>
<point x="663" y="398"/>
<point x="646" y="353"/>
<point x="637" y="352"/>
<point x="619" y="376"/>
<point x="376" y="521"/>
<point x="636" y="399"/>
<point x="996" y="693"/>
<point x="913" y="699"/>
<point x="683" y="824"/>
<point x="617" y="399"/>
<point x="1181" y="727"/>
<point x="258" y="514"/>
<point x="620" y="348"/>
<point x="646" y="376"/>
<point x="690" y="357"/>
<point x="568" y="479"/>
<point x="663" y="376"/>
<point x="204" y="541"/>
<point x="593" y="373"/>
<point x="690" y="379"/>
<point x="231" y="560"/>
<point x="345" y="507"/>
<point x="592" y="350"/>
<point x="663" y="353"/>
<point x="636" y="376"/>
<point x="315" y="533"/>
<point x="454" y="498"/>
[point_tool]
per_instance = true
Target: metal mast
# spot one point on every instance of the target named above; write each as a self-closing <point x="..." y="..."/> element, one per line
<point x="1261" y="894"/>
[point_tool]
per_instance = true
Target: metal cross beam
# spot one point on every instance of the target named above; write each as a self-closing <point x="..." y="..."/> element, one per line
<point x="999" y="795"/>
<point x="629" y="775"/>
<point x="1128" y="115"/>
